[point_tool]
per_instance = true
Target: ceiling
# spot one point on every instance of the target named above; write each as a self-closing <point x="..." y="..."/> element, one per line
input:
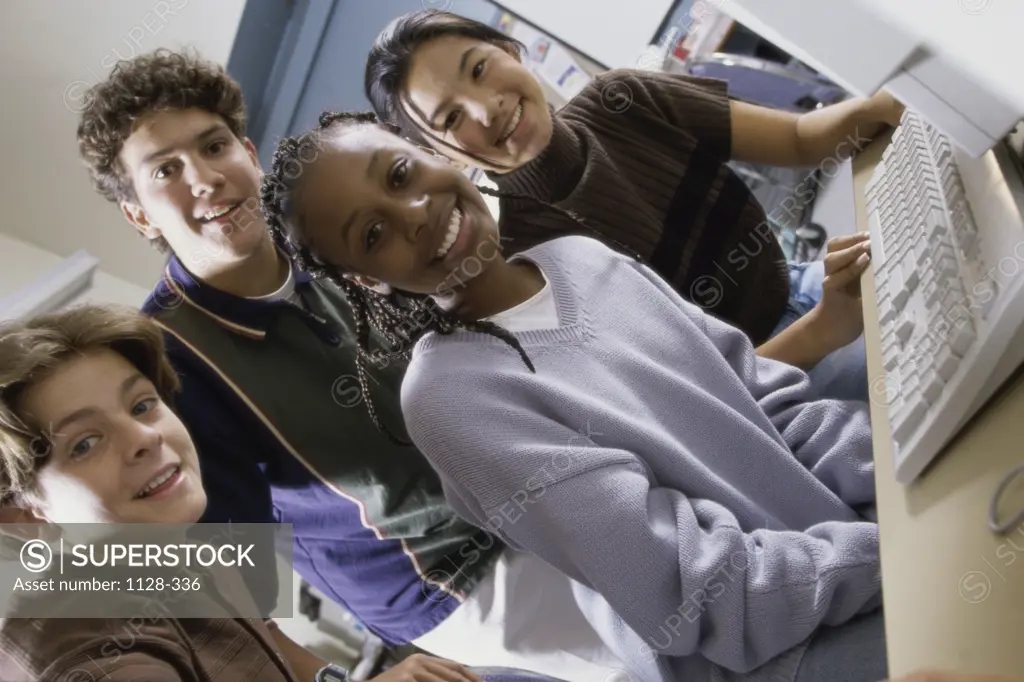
<point x="51" y="51"/>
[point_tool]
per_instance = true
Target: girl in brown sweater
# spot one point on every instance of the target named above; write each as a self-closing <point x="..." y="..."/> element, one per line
<point x="641" y="158"/>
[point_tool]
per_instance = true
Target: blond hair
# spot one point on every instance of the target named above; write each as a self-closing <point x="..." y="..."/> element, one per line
<point x="30" y="350"/>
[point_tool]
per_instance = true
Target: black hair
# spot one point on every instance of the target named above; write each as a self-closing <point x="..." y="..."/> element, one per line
<point x="399" y="318"/>
<point x="387" y="67"/>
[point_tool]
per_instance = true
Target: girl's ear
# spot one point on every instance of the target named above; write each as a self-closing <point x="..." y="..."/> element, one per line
<point x="370" y="283"/>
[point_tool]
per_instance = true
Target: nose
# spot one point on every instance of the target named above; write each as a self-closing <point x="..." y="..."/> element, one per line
<point x="485" y="109"/>
<point x="203" y="178"/>
<point x="141" y="441"/>
<point x="415" y="215"/>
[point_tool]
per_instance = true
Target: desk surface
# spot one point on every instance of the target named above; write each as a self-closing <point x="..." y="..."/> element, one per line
<point x="953" y="591"/>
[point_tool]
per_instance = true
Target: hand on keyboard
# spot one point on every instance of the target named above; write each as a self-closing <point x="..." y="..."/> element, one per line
<point x="884" y="107"/>
<point x="839" y="317"/>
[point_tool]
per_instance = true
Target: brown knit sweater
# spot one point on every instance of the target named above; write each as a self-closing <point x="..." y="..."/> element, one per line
<point x="153" y="646"/>
<point x="640" y="157"/>
<point x="154" y="650"/>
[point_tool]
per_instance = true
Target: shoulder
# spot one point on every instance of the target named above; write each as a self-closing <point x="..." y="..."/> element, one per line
<point x="164" y="298"/>
<point x="457" y="382"/>
<point x="660" y="81"/>
<point x="580" y="255"/>
<point x="627" y="94"/>
<point x="52" y="648"/>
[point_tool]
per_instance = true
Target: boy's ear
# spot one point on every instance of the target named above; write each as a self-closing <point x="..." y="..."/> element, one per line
<point x="369" y="283"/>
<point x="253" y="154"/>
<point x="135" y="215"/>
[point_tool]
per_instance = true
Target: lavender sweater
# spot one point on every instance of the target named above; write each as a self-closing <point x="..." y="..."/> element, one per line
<point x="707" y="507"/>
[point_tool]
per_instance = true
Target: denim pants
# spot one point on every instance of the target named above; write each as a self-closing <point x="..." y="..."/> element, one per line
<point x="852" y="652"/>
<point x="843" y="374"/>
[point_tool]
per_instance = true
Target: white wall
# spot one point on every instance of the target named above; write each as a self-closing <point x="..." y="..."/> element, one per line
<point x="21" y="263"/>
<point x="50" y="52"/>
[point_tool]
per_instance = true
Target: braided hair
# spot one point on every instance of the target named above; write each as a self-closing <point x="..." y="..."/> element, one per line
<point x="398" y="318"/>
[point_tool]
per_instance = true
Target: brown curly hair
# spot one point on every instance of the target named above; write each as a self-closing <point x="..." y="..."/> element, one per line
<point x="30" y="350"/>
<point x="161" y="80"/>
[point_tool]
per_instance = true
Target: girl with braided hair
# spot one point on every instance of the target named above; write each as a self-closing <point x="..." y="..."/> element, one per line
<point x="713" y="516"/>
<point x="643" y="156"/>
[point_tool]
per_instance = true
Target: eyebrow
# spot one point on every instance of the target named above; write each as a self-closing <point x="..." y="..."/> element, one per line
<point x="462" y="72"/>
<point x="370" y="172"/>
<point x="213" y="129"/>
<point x="126" y="386"/>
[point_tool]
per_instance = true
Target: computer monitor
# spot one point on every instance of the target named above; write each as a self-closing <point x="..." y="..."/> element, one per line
<point x="955" y="62"/>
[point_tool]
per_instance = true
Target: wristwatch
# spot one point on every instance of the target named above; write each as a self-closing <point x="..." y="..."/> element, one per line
<point x="332" y="673"/>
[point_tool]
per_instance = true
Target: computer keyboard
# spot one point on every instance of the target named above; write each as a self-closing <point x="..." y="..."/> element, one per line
<point x="947" y="246"/>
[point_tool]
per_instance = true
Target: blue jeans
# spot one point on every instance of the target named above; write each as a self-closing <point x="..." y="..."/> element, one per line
<point x="852" y="652"/>
<point x="842" y="374"/>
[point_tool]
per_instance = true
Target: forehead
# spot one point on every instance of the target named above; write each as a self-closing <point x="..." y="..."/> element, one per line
<point x="79" y="381"/>
<point x="435" y="64"/>
<point x="344" y="160"/>
<point x="177" y="128"/>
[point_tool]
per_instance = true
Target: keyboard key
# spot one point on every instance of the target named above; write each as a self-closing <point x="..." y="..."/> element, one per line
<point x="896" y="287"/>
<point x="932" y="295"/>
<point x="911" y="382"/>
<point x="946" y="364"/>
<point x="908" y="418"/>
<point x="891" y="356"/>
<point x="931" y="386"/>
<point x="904" y="328"/>
<point x="920" y="249"/>
<point x="935" y="225"/>
<point x="909" y="267"/>
<point x="962" y="337"/>
<point x="900" y="298"/>
<point x="985" y="295"/>
<point x="946" y="268"/>
<point x="886" y="311"/>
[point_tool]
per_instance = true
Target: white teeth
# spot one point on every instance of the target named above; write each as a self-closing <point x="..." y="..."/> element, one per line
<point x="454" y="223"/>
<point x="218" y="212"/>
<point x="511" y="127"/>
<point x="157" y="482"/>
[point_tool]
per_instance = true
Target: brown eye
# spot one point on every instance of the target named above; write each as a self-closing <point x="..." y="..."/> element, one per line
<point x="373" y="234"/>
<point x="478" y="70"/>
<point x="451" y="119"/>
<point x="399" y="172"/>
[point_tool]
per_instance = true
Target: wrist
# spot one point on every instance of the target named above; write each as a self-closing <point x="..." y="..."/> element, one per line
<point x="332" y="673"/>
<point x="818" y="333"/>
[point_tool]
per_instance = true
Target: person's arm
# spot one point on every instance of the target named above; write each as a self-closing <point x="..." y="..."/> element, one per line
<point x="121" y="666"/>
<point x="838" y="319"/>
<point x="831" y="438"/>
<point x="303" y="662"/>
<point x="783" y="138"/>
<point x="231" y="447"/>
<point x="730" y="130"/>
<point x="679" y="570"/>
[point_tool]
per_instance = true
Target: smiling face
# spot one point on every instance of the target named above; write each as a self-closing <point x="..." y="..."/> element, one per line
<point x="197" y="185"/>
<point x="479" y="98"/>
<point x="118" y="454"/>
<point x="377" y="206"/>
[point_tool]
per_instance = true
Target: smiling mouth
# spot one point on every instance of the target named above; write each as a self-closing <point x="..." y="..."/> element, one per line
<point x="159" y="483"/>
<point x="512" y="125"/>
<point x="452" y="234"/>
<point x="218" y="213"/>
